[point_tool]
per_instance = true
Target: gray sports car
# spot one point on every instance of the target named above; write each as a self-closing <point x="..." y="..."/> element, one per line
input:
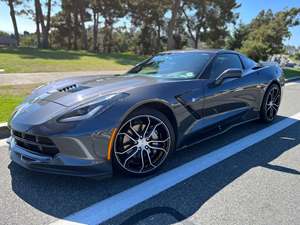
<point x="97" y="125"/>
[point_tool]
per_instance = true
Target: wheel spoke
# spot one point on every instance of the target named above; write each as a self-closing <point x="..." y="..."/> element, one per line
<point x="269" y="98"/>
<point x="274" y="108"/>
<point x="132" y="128"/>
<point x="143" y="164"/>
<point x="127" y="135"/>
<point x="276" y="98"/>
<point x="275" y="94"/>
<point x="272" y="94"/>
<point x="157" y="148"/>
<point x="126" y="151"/>
<point x="146" y="130"/>
<point x="153" y="130"/>
<point x="271" y="112"/>
<point x="149" y="159"/>
<point x="158" y="141"/>
<point x="133" y="154"/>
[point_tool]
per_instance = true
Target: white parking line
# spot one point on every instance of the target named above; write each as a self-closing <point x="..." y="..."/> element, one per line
<point x="112" y="206"/>
<point x="3" y="124"/>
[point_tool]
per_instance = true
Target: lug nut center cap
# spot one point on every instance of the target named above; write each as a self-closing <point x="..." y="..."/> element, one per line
<point x="142" y="143"/>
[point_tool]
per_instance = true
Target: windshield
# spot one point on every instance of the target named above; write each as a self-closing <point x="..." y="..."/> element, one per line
<point x="173" y="65"/>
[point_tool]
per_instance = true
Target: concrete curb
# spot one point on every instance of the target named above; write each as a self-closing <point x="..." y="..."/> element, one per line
<point x="292" y="79"/>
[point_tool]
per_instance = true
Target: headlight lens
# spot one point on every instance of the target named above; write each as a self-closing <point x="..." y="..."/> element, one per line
<point x="90" y="109"/>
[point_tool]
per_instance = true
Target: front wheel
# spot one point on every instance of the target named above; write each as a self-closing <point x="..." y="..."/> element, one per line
<point x="143" y="142"/>
<point x="270" y="104"/>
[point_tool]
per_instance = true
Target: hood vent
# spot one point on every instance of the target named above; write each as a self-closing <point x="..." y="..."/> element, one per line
<point x="68" y="88"/>
<point x="72" y="88"/>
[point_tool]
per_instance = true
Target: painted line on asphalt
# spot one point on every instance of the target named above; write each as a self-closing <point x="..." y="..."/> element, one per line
<point x="3" y="124"/>
<point x="114" y="205"/>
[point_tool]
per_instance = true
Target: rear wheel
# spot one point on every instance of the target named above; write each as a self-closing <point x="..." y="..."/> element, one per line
<point x="270" y="103"/>
<point x="143" y="142"/>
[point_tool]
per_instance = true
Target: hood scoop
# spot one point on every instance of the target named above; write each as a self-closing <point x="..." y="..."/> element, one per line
<point x="72" y="88"/>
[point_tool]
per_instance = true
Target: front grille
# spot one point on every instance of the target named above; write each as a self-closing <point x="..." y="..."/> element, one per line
<point x="35" y="143"/>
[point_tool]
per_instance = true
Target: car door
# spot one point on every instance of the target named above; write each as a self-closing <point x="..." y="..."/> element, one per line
<point x="232" y="100"/>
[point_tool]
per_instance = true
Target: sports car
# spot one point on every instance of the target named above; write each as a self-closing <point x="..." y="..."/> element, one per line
<point x="132" y="123"/>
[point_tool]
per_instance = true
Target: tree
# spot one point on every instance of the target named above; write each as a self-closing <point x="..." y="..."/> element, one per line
<point x="76" y="29"/>
<point x="267" y="32"/>
<point x="96" y="14"/>
<point x="207" y="20"/>
<point x="172" y="23"/>
<point x="111" y="10"/>
<point x="61" y="36"/>
<point x="239" y="35"/>
<point x="69" y="24"/>
<point x="148" y="16"/>
<point x="4" y="34"/>
<point x="37" y="23"/>
<point x="40" y="20"/>
<point x="95" y="11"/>
<point x="12" y="4"/>
<point x="66" y="21"/>
<point x="84" y="16"/>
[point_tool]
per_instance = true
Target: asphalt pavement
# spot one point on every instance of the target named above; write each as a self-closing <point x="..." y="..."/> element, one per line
<point x="258" y="185"/>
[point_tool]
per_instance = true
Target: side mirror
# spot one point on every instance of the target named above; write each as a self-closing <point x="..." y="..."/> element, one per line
<point x="229" y="73"/>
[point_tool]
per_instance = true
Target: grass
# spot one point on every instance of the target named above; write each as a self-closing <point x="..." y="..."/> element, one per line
<point x="7" y="105"/>
<point x="21" y="60"/>
<point x="291" y="72"/>
<point x="11" y="96"/>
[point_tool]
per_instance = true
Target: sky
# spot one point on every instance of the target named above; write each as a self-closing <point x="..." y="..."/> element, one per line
<point x="248" y="10"/>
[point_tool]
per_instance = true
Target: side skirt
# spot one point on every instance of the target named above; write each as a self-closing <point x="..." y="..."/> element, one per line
<point x="217" y="134"/>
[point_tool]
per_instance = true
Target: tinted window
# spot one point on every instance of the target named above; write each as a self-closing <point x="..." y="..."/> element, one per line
<point x="248" y="63"/>
<point x="173" y="65"/>
<point x="224" y="62"/>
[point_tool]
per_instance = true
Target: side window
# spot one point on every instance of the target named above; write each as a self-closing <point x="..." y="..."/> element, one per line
<point x="223" y="62"/>
<point x="248" y="63"/>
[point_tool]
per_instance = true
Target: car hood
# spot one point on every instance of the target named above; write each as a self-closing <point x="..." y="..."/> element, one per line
<point x="73" y="91"/>
<point x="52" y="100"/>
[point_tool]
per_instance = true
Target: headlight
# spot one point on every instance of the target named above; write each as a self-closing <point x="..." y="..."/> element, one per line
<point x="92" y="108"/>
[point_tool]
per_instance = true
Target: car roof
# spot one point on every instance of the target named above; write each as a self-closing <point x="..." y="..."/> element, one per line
<point x="216" y="51"/>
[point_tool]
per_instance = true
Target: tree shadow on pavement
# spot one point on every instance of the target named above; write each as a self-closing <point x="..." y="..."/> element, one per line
<point x="31" y="53"/>
<point x="60" y="196"/>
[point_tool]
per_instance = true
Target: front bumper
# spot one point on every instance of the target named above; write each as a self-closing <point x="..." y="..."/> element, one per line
<point x="59" y="163"/>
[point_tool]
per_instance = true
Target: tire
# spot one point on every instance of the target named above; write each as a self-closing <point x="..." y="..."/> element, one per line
<point x="144" y="154"/>
<point x="270" y="104"/>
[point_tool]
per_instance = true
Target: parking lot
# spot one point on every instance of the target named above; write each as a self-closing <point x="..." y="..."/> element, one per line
<point x="249" y="175"/>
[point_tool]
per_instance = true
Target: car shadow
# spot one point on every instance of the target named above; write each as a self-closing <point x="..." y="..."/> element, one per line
<point x="60" y="196"/>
